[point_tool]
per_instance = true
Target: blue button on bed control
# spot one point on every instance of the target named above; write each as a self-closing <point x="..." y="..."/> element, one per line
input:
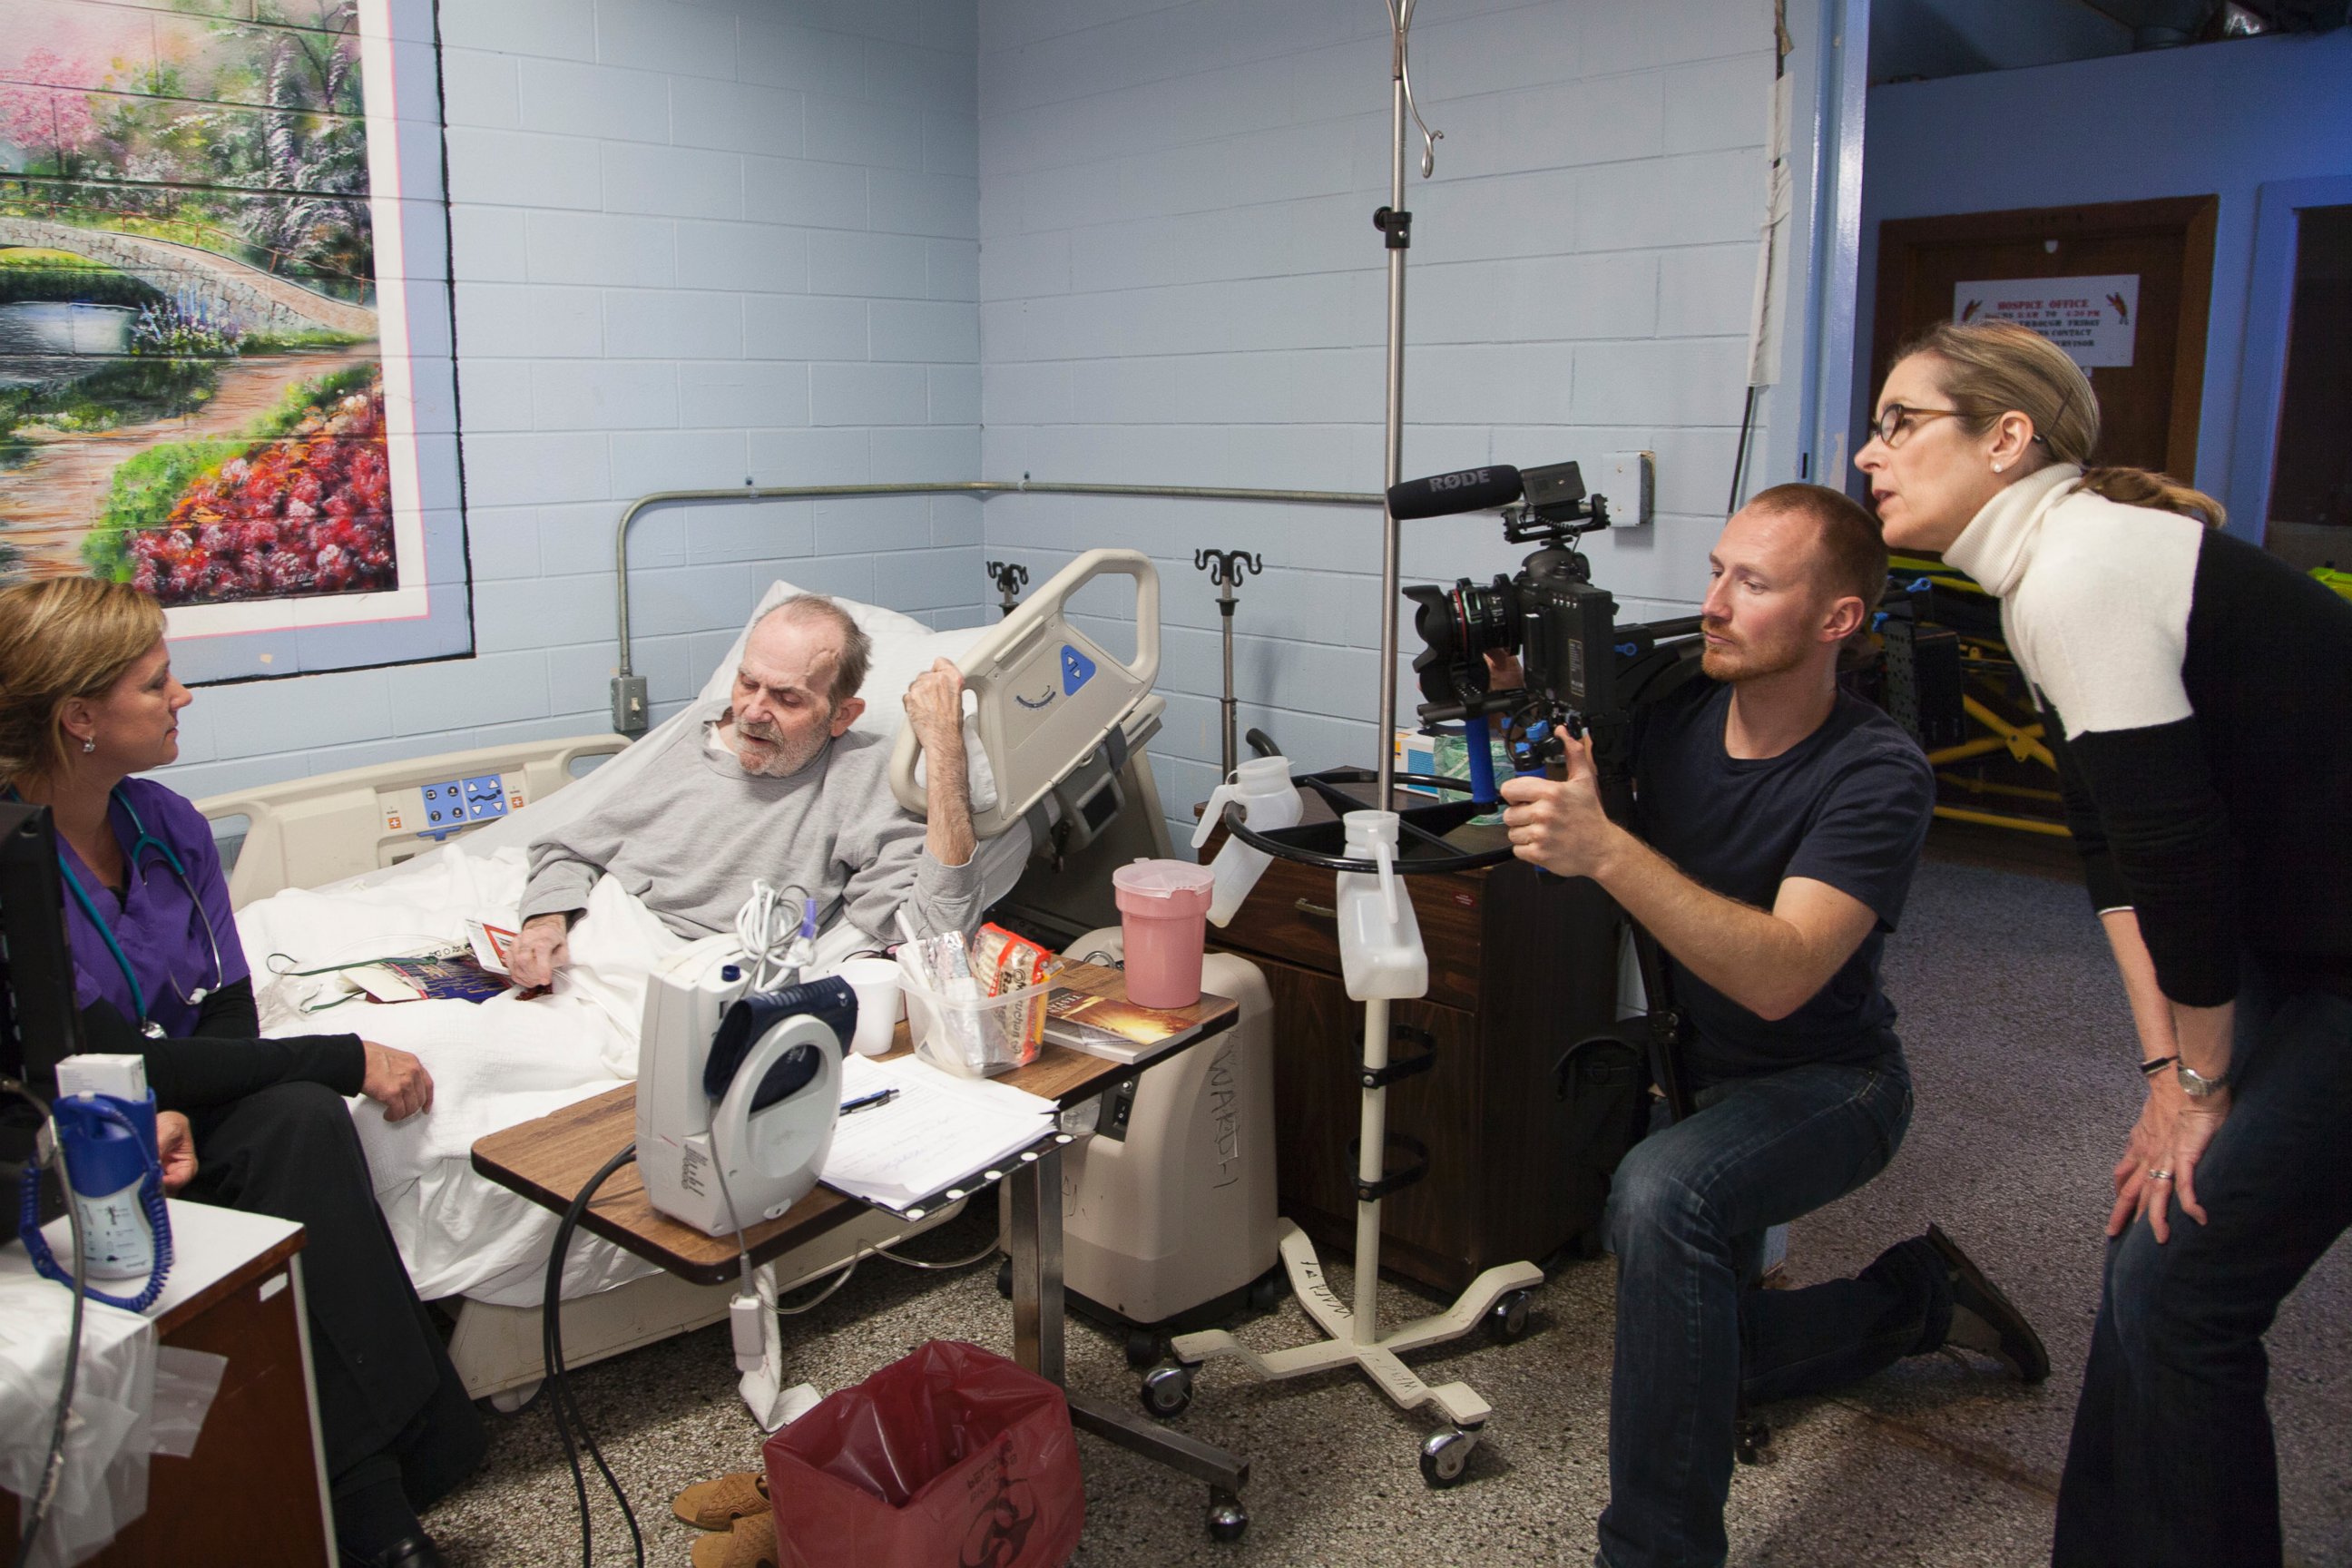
<point x="1076" y="670"/>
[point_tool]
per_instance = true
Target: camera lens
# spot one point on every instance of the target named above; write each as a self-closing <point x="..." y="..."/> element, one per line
<point x="1488" y="617"/>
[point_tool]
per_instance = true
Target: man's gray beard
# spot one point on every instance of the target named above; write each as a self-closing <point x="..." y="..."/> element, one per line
<point x="783" y="762"/>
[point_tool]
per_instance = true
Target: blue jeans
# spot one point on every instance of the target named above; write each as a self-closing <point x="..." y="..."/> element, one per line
<point x="1687" y="1214"/>
<point x="2171" y="1461"/>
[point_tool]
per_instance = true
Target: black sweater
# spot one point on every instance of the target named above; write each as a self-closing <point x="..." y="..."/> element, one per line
<point x="227" y="1059"/>
<point x="2195" y="689"/>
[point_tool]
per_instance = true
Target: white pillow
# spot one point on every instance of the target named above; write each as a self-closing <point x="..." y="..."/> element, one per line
<point x="903" y="648"/>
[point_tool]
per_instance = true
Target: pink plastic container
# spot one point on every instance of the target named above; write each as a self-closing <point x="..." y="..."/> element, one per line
<point x="1163" y="907"/>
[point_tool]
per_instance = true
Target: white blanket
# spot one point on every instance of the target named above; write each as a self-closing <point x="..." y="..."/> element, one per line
<point x="493" y="1064"/>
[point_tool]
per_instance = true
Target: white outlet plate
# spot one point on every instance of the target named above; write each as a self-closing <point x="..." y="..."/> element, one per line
<point x="1629" y="480"/>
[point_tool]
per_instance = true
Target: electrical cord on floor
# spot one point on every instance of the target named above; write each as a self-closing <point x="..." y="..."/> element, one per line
<point x="38" y="1505"/>
<point x="983" y="1255"/>
<point x="566" y="1409"/>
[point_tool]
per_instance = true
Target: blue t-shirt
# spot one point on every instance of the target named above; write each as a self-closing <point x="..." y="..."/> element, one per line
<point x="1847" y="805"/>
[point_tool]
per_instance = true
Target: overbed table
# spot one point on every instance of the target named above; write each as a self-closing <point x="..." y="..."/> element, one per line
<point x="549" y="1160"/>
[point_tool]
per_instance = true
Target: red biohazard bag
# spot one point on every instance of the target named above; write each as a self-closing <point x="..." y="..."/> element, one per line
<point x="948" y="1458"/>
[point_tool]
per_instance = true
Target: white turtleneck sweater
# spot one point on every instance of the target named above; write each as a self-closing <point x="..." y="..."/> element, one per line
<point x="2196" y="692"/>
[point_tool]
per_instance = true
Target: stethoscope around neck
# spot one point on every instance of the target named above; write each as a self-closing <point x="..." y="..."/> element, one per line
<point x="143" y="841"/>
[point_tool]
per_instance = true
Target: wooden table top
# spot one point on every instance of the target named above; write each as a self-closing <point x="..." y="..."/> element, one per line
<point x="550" y="1159"/>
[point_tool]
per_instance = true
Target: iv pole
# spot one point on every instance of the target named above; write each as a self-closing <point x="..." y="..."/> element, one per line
<point x="1500" y="1295"/>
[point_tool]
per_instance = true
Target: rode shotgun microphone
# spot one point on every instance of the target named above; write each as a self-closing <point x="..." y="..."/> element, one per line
<point x="1466" y="489"/>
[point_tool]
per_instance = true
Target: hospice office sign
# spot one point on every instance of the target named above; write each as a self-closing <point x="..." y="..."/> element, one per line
<point x="2092" y="318"/>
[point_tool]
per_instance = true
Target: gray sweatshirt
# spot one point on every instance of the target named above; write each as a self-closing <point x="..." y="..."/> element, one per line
<point x="695" y="830"/>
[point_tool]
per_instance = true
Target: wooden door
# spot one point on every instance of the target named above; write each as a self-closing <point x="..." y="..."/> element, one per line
<point x="2148" y="409"/>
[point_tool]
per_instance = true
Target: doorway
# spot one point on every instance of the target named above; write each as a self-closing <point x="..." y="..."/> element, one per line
<point x="2127" y="286"/>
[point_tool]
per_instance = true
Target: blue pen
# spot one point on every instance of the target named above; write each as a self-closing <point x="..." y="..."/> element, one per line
<point x="868" y="1101"/>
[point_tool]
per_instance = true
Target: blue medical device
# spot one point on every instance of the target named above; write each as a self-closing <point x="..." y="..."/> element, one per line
<point x="114" y="1178"/>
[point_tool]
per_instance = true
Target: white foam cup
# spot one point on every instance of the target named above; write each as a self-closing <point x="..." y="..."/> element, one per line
<point x="876" y="980"/>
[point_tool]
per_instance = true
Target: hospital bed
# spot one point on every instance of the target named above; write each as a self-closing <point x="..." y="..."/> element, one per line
<point x="1063" y="792"/>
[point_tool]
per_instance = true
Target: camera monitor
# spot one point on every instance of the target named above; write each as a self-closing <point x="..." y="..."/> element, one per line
<point x="39" y="1023"/>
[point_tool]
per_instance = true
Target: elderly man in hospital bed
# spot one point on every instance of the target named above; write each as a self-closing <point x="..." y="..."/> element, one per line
<point x="773" y="785"/>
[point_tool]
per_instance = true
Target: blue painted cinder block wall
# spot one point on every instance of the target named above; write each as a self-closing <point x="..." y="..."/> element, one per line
<point x="1180" y="284"/>
<point x="702" y="242"/>
<point x="695" y="244"/>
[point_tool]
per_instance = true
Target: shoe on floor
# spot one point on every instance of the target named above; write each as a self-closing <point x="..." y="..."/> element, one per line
<point x="751" y="1544"/>
<point x="409" y="1552"/>
<point x="2000" y="1327"/>
<point x="715" y="1505"/>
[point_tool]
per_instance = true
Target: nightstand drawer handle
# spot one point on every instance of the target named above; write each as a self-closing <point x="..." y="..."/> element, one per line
<point x="1308" y="907"/>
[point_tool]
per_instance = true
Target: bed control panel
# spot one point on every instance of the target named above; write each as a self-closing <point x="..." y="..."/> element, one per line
<point x="436" y="810"/>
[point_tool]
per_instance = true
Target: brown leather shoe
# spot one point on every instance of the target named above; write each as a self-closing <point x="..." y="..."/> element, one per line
<point x="715" y="1505"/>
<point x="751" y="1544"/>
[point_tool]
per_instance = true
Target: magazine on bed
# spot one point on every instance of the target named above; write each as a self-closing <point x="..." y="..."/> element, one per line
<point x="450" y="973"/>
<point x="474" y="970"/>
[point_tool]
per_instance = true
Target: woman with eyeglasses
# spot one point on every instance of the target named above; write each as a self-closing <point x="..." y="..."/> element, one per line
<point x="88" y="701"/>
<point x="2193" y="692"/>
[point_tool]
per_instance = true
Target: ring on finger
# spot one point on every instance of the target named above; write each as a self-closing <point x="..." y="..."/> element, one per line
<point x="2159" y="1175"/>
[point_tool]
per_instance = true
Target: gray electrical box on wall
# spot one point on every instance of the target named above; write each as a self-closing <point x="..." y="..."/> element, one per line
<point x="1629" y="480"/>
<point x="629" y="704"/>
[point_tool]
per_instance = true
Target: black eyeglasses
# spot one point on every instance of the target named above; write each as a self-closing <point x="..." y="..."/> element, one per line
<point x="1895" y="421"/>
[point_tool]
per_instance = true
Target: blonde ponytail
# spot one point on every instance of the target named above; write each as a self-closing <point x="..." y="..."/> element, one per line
<point x="2159" y="492"/>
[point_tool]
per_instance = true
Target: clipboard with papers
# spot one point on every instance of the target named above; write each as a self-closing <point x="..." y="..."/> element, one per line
<point x="937" y="1133"/>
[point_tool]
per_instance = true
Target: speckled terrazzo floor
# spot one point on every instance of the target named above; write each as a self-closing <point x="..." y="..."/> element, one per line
<point x="2017" y="1034"/>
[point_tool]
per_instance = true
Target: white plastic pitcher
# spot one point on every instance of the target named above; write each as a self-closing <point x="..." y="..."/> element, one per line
<point x="1380" y="938"/>
<point x="1262" y="788"/>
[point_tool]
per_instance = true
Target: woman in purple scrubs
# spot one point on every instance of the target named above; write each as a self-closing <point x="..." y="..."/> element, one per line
<point x="87" y="702"/>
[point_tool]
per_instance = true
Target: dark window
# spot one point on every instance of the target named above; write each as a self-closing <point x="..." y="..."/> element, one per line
<point x="2311" y="483"/>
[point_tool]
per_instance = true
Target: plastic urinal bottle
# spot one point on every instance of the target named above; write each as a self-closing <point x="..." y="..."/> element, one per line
<point x="1380" y="941"/>
<point x="1262" y="788"/>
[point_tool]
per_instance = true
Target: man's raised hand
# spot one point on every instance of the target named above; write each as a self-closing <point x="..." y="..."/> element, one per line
<point x="935" y="707"/>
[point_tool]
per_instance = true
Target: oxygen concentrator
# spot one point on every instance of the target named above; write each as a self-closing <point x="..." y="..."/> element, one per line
<point x="1167" y="1210"/>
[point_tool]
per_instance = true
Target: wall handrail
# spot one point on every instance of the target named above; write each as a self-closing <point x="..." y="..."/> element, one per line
<point x="629" y="712"/>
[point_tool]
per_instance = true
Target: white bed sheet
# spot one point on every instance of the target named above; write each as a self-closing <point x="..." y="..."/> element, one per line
<point x="505" y="1061"/>
<point x="493" y="1064"/>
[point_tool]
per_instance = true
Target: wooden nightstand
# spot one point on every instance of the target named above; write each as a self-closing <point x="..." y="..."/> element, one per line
<point x="254" y="1491"/>
<point x="1520" y="968"/>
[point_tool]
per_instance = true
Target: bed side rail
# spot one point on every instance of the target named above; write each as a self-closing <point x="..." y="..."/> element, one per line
<point x="307" y="832"/>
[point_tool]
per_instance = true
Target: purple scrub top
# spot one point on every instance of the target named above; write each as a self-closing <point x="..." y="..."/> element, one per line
<point x="155" y="921"/>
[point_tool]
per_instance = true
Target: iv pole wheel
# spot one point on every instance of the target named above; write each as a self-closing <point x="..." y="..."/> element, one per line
<point x="1167" y="1390"/>
<point x="1226" y="1517"/>
<point x="1446" y="1458"/>
<point x="1507" y="1320"/>
<point x="1228" y="1520"/>
<point x="1144" y="1349"/>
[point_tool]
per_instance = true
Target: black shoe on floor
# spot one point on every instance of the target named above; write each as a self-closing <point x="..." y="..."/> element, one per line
<point x="409" y="1552"/>
<point x="1974" y="1294"/>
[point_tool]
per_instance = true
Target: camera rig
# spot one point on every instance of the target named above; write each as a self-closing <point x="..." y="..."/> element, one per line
<point x="1583" y="672"/>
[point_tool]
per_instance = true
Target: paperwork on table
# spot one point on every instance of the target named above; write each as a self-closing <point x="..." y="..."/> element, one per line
<point x="940" y="1133"/>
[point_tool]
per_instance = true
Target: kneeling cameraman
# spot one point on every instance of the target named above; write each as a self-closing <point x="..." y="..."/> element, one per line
<point x="1780" y="823"/>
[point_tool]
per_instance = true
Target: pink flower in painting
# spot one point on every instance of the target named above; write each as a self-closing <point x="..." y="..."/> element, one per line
<point x="53" y="117"/>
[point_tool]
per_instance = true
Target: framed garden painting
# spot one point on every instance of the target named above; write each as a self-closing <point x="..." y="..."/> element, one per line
<point x="227" y="365"/>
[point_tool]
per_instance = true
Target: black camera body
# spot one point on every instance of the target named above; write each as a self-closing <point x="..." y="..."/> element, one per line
<point x="1550" y="614"/>
<point x="1580" y="670"/>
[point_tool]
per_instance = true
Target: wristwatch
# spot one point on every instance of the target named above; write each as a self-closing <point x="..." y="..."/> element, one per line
<point x="2196" y="1085"/>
